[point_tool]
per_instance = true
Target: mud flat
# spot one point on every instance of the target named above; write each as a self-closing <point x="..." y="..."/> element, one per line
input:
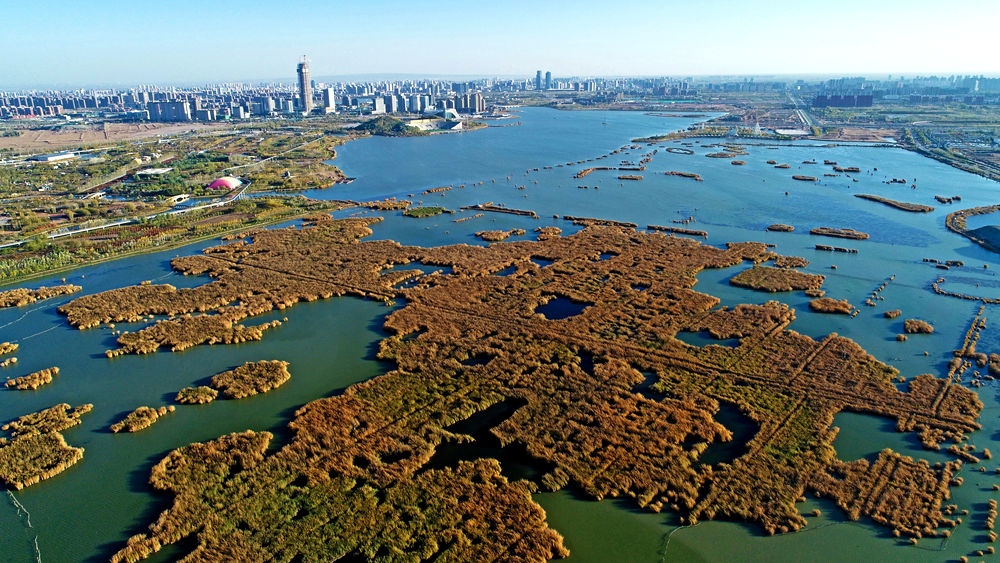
<point x="828" y="305"/>
<point x="596" y="221"/>
<point x="691" y="175"/>
<point x="781" y="228"/>
<point x="22" y="296"/>
<point x="984" y="237"/>
<point x="140" y="419"/>
<point x="497" y="209"/>
<point x="913" y="207"/>
<point x="471" y="344"/>
<point x="839" y="233"/>
<point x="497" y="236"/>
<point x="196" y="395"/>
<point x="442" y="189"/>
<point x="33" y="380"/>
<point x="828" y="248"/>
<point x="251" y="379"/>
<point x="36" y="449"/>
<point x="766" y="278"/>
<point x="587" y="171"/>
<point x="464" y="219"/>
<point x="678" y="230"/>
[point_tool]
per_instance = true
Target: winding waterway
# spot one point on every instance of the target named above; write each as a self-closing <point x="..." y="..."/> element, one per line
<point x="87" y="512"/>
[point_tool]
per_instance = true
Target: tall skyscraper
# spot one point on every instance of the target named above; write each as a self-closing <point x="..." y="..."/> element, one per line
<point x="305" y="86"/>
<point x="538" y="80"/>
<point x="329" y="100"/>
<point x="548" y="80"/>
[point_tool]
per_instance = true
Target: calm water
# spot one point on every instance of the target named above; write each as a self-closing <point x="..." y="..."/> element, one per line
<point x="330" y="344"/>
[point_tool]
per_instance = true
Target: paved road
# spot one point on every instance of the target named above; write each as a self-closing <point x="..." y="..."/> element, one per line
<point x="68" y="232"/>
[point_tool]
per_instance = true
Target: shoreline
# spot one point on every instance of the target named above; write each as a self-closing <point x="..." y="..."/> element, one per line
<point x="5" y="284"/>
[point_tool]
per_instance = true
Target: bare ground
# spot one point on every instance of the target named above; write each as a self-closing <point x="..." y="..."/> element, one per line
<point x="39" y="140"/>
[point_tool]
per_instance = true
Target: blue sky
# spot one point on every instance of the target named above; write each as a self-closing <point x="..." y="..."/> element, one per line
<point x="97" y="42"/>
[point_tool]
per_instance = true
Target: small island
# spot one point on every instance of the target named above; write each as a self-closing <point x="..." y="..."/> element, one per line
<point x="915" y="326"/>
<point x="912" y="207"/>
<point x="196" y="395"/>
<point x="828" y="305"/>
<point x="251" y="378"/>
<point x="140" y="419"/>
<point x="428" y="211"/>
<point x="496" y="236"/>
<point x="20" y="297"/>
<point x="34" y="380"/>
<point x="36" y="449"/>
<point x="766" y="278"/>
<point x="839" y="233"/>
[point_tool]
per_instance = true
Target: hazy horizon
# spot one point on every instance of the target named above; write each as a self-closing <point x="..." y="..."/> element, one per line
<point x="57" y="44"/>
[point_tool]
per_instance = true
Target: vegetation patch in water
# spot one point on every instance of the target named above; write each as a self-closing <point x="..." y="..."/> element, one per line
<point x="354" y="481"/>
<point x="140" y="419"/>
<point x="22" y="296"/>
<point x="251" y="378"/>
<point x="196" y="395"/>
<point x="766" y="278"/>
<point x="35" y="449"/>
<point x="33" y="380"/>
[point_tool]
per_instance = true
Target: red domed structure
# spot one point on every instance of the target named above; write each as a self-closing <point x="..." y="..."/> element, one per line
<point x="225" y="183"/>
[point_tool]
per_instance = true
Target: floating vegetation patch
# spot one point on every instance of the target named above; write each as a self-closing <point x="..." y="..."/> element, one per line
<point x="251" y="378"/>
<point x="36" y="449"/>
<point x="766" y="278"/>
<point x="140" y="419"/>
<point x="496" y="236"/>
<point x="196" y="395"/>
<point x="21" y="296"/>
<point x="33" y="380"/>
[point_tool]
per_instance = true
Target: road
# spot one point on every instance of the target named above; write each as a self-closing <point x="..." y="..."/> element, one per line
<point x="807" y="119"/>
<point x="69" y="232"/>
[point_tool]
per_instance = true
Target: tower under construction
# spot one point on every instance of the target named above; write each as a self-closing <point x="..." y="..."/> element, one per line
<point x="305" y="86"/>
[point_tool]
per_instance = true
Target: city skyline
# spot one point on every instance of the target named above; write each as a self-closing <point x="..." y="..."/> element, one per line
<point x="187" y="43"/>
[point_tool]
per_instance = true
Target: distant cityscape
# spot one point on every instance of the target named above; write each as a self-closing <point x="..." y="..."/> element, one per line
<point x="235" y="101"/>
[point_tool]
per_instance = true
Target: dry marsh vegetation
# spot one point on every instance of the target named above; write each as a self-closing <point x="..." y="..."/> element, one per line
<point x="608" y="400"/>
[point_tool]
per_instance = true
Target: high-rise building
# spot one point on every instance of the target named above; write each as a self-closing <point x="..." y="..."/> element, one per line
<point x="170" y="111"/>
<point x="415" y="103"/>
<point x="476" y="103"/>
<point x="538" y="80"/>
<point x="305" y="86"/>
<point x="378" y="105"/>
<point x="548" y="80"/>
<point x="329" y="100"/>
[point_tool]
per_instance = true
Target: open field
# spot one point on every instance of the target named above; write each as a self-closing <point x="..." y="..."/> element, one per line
<point x="41" y="140"/>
